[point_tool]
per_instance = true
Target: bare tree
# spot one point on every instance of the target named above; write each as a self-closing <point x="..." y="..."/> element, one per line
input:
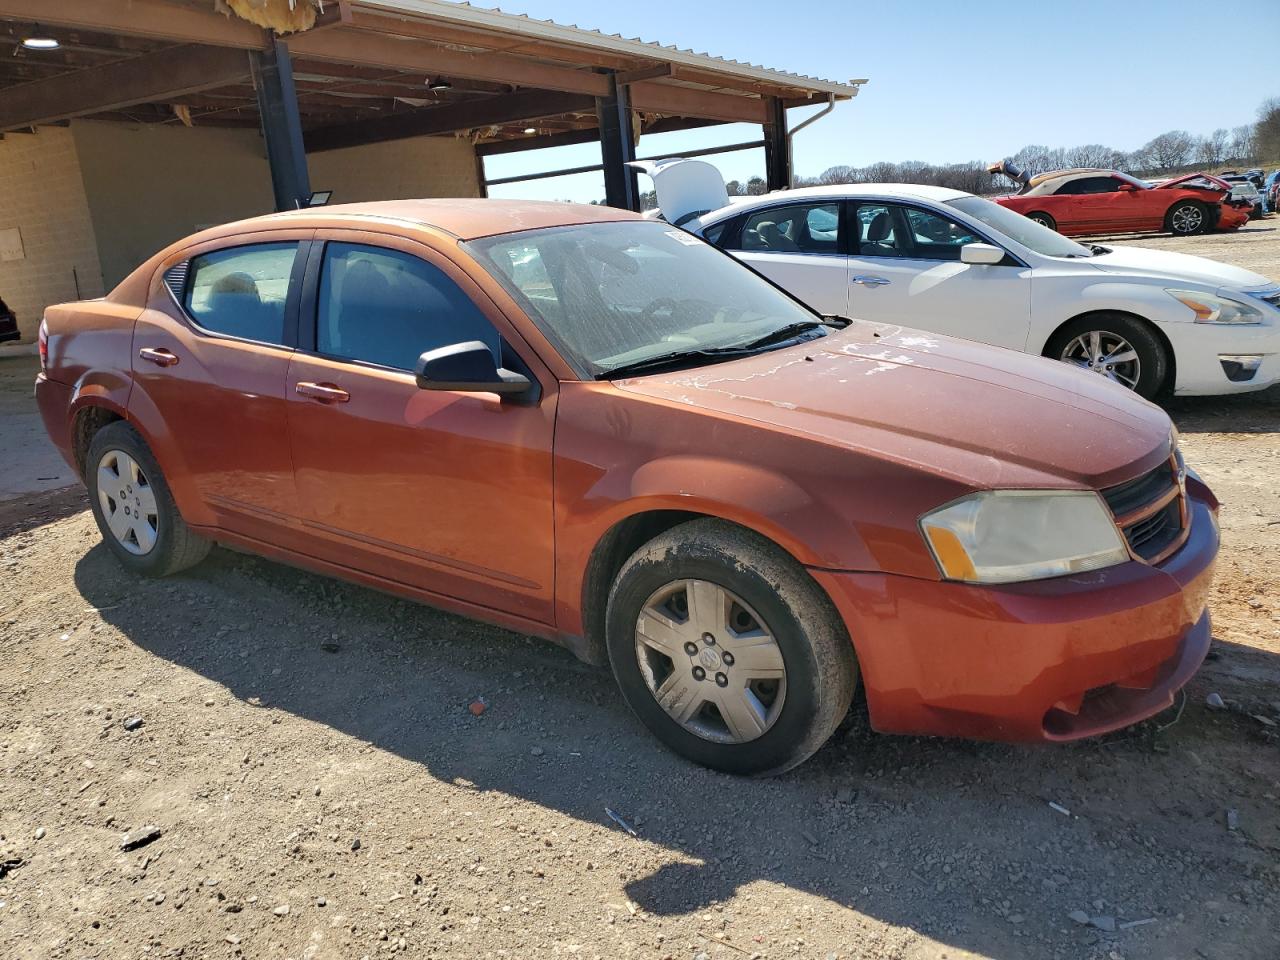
<point x="1168" y="151"/>
<point x="1242" y="147"/>
<point x="841" y="174"/>
<point x="1266" y="132"/>
<point x="1211" y="151"/>
<point x="1089" y="155"/>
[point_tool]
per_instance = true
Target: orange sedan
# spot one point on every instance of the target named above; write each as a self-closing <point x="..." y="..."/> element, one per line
<point x="595" y="428"/>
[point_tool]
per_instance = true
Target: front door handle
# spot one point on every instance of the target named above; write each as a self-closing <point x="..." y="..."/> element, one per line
<point x="870" y="281"/>
<point x="324" y="392"/>
<point x="158" y="355"/>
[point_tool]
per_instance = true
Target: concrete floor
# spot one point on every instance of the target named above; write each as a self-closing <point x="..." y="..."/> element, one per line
<point x="33" y="464"/>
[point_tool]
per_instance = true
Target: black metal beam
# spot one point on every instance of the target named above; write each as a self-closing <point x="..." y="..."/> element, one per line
<point x="595" y="167"/>
<point x="617" y="148"/>
<point x="465" y="115"/>
<point x="777" y="159"/>
<point x="281" y="126"/>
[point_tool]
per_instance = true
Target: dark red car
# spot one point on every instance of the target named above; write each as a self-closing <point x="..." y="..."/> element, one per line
<point x="1092" y="201"/>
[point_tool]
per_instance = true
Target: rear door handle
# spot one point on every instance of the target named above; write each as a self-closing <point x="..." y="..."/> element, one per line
<point x="870" y="281"/>
<point x="158" y="355"/>
<point x="324" y="392"/>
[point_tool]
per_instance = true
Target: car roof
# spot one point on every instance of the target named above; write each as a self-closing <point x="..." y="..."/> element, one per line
<point x="838" y="191"/>
<point x="1073" y="172"/>
<point x="463" y="217"/>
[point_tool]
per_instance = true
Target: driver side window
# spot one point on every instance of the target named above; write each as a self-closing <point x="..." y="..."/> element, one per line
<point x="387" y="307"/>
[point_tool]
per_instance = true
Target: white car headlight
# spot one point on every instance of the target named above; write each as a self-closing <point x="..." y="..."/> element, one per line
<point x="1211" y="309"/>
<point x="1004" y="536"/>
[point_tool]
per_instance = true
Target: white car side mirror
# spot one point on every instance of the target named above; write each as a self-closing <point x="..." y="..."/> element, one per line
<point x="981" y="253"/>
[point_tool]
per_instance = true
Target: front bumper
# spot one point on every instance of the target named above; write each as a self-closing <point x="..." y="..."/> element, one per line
<point x="1201" y="348"/>
<point x="1049" y="660"/>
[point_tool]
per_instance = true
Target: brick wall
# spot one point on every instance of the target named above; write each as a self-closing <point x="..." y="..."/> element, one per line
<point x="43" y="195"/>
<point x="397" y="170"/>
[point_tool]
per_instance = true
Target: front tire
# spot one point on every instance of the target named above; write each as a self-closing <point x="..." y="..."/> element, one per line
<point x="1121" y="348"/>
<point x="1187" y="218"/>
<point x="136" y="515"/>
<point x="727" y="650"/>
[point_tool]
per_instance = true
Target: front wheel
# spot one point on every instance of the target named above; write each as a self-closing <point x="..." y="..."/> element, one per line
<point x="1186" y="218"/>
<point x="1123" y="349"/>
<point x="727" y="650"/>
<point x="134" y="509"/>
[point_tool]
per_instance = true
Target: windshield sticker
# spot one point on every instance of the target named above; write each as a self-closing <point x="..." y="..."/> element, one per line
<point x="688" y="239"/>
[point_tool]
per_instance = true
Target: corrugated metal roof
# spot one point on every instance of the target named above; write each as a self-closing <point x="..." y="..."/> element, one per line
<point x="465" y="14"/>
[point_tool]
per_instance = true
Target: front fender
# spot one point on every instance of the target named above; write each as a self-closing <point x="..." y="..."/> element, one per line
<point x="1061" y="302"/>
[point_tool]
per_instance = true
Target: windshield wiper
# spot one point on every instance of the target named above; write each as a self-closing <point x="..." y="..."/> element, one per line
<point x="790" y="332"/>
<point x="673" y="359"/>
<point x="775" y="338"/>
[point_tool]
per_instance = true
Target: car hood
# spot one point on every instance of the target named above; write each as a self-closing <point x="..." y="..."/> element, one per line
<point x="1177" y="267"/>
<point x="983" y="415"/>
<point x="1195" y="181"/>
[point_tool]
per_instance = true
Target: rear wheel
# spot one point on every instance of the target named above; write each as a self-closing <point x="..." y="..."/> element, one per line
<point x="1123" y="349"/>
<point x="727" y="650"/>
<point x="1187" y="217"/>
<point x="1043" y="219"/>
<point x="135" y="512"/>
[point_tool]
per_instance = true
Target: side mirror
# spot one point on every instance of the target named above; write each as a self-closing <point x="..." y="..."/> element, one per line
<point x="981" y="254"/>
<point x="1126" y="188"/>
<point x="470" y="368"/>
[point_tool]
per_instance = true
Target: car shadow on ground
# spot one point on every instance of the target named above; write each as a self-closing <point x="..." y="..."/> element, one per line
<point x="1257" y="412"/>
<point x="954" y="840"/>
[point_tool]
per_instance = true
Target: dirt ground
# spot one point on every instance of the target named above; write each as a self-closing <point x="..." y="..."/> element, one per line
<point x="322" y="791"/>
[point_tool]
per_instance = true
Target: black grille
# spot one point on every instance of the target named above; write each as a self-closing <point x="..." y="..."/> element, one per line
<point x="175" y="278"/>
<point x="1153" y="534"/>
<point x="1134" y="494"/>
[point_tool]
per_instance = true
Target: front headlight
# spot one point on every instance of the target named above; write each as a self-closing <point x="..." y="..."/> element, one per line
<point x="1211" y="309"/>
<point x="1004" y="536"/>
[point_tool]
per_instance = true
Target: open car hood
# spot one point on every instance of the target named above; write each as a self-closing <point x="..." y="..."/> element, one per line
<point x="686" y="189"/>
<point x="1196" y="181"/>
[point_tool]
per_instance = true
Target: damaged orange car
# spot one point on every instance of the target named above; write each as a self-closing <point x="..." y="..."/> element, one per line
<point x="584" y="425"/>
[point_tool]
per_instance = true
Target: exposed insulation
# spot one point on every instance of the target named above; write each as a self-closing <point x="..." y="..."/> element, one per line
<point x="282" y="16"/>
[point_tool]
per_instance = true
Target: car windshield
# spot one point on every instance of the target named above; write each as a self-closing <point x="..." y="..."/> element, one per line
<point x="1041" y="240"/>
<point x="617" y="294"/>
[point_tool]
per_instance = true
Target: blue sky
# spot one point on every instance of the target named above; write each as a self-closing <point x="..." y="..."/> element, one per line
<point x="949" y="81"/>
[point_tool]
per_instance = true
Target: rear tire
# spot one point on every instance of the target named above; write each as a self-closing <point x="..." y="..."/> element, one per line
<point x="1072" y="344"/>
<point x="1187" y="218"/>
<point x="1043" y="219"/>
<point x="702" y="591"/>
<point x="136" y="515"/>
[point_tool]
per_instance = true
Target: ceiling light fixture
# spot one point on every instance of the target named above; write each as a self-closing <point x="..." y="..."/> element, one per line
<point x="439" y="83"/>
<point x="530" y="129"/>
<point x="40" y="41"/>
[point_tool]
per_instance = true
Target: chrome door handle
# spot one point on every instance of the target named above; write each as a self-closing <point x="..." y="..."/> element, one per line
<point x="870" y="281"/>
<point x="324" y="392"/>
<point x="158" y="355"/>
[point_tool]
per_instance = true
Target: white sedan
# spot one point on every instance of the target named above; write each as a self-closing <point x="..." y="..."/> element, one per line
<point x="950" y="262"/>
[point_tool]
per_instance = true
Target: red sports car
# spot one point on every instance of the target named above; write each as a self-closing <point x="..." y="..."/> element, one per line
<point x="1091" y="201"/>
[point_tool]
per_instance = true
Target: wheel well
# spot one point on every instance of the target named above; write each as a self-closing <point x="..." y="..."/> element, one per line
<point x="1154" y="328"/>
<point x="88" y="422"/>
<point x="613" y="550"/>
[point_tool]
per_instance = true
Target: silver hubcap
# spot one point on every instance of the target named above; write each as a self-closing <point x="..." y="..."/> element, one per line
<point x="1107" y="354"/>
<point x="710" y="661"/>
<point x="1043" y="221"/>
<point x="1187" y="219"/>
<point x="128" y="502"/>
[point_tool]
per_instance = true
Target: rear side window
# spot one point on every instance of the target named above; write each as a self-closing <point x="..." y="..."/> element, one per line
<point x="388" y="308"/>
<point x="241" y="292"/>
<point x="801" y="228"/>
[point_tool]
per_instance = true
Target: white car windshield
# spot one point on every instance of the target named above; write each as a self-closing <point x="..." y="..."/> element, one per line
<point x="1041" y="240"/>
<point x="621" y="294"/>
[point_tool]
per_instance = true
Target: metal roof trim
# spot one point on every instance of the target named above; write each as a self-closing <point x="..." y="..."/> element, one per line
<point x="464" y="14"/>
